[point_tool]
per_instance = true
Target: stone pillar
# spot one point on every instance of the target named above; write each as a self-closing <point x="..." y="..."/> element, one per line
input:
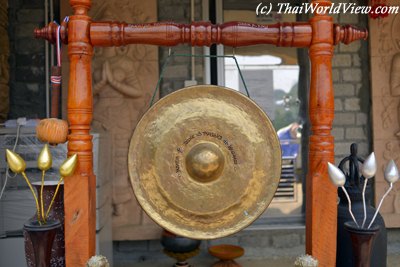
<point x="4" y="67"/>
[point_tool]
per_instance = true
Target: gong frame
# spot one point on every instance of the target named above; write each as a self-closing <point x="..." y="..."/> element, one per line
<point x="319" y="34"/>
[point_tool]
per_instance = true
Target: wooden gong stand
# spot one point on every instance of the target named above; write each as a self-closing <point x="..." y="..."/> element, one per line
<point x="82" y="34"/>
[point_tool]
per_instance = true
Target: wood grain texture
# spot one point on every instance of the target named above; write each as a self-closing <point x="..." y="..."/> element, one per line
<point x="235" y="34"/>
<point x="200" y="34"/>
<point x="80" y="189"/>
<point x="321" y="208"/>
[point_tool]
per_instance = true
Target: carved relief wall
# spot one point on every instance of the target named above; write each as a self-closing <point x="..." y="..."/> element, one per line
<point x="4" y="67"/>
<point x="385" y="80"/>
<point x="124" y="79"/>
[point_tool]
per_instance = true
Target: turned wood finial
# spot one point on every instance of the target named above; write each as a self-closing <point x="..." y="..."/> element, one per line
<point x="348" y="34"/>
<point x="49" y="32"/>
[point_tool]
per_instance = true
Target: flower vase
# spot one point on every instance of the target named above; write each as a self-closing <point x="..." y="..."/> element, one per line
<point x="41" y="238"/>
<point x="362" y="240"/>
<point x="344" y="250"/>
<point x="56" y="213"/>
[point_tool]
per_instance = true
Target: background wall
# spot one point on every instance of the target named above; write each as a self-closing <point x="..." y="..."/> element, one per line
<point x="4" y="66"/>
<point x="27" y="77"/>
<point x="351" y="85"/>
<point x="179" y="68"/>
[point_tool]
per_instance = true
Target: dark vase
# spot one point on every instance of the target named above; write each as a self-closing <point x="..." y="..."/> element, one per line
<point x="56" y="213"/>
<point x="344" y="254"/>
<point x="41" y="238"/>
<point x="354" y="185"/>
<point x="362" y="240"/>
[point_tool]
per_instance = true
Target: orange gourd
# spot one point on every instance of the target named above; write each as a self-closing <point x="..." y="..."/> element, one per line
<point x="52" y="131"/>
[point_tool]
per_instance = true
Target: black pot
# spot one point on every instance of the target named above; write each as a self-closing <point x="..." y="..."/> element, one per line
<point x="178" y="244"/>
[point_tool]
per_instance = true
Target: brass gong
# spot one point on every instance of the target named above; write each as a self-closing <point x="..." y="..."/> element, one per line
<point x="204" y="162"/>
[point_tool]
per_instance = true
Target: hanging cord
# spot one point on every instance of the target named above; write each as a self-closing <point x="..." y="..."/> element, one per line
<point x="55" y="79"/>
<point x="172" y="54"/>
<point x="8" y="169"/>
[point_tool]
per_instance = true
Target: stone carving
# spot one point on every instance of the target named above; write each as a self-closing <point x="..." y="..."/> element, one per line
<point x="124" y="79"/>
<point x="395" y="75"/>
<point x="4" y="67"/>
<point x="385" y="46"/>
<point x="395" y="91"/>
<point x="115" y="111"/>
<point x="388" y="116"/>
<point x="391" y="151"/>
<point x="395" y="66"/>
<point x="386" y="41"/>
<point x="396" y="204"/>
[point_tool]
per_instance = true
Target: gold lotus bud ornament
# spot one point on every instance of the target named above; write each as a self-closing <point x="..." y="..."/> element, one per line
<point x="339" y="179"/>
<point x="15" y="162"/>
<point x="18" y="165"/>
<point x="69" y="166"/>
<point x="391" y="172"/>
<point x="337" y="176"/>
<point x="44" y="160"/>
<point x="391" y="175"/>
<point x="369" y="167"/>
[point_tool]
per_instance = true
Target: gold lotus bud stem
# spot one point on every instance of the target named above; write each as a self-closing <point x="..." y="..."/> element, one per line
<point x="15" y="162"/>
<point x="368" y="170"/>
<point x="54" y="196"/>
<point x="339" y="179"/>
<point x="34" y="196"/>
<point x="69" y="165"/>
<point x="66" y="169"/>
<point x="41" y="197"/>
<point x="44" y="163"/>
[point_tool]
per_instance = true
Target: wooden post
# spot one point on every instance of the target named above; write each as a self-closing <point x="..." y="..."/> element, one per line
<point x="321" y="198"/>
<point x="80" y="189"/>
